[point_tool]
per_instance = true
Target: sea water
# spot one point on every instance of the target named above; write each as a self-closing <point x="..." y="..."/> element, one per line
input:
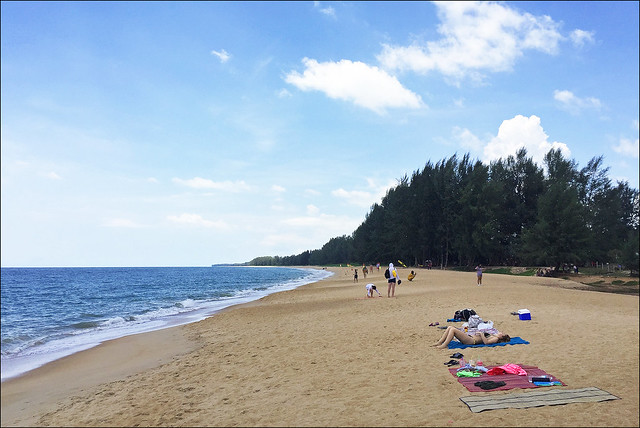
<point x="49" y="313"/>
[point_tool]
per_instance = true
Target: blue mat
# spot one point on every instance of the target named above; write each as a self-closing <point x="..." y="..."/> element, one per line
<point x="514" y="341"/>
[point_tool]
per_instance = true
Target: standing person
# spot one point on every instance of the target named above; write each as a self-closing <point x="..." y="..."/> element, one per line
<point x="365" y="271"/>
<point x="370" y="289"/>
<point x="479" y="273"/>
<point x="391" y="281"/>
<point x="355" y="275"/>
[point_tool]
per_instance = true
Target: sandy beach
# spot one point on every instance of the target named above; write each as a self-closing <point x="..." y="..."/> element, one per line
<point x="324" y="355"/>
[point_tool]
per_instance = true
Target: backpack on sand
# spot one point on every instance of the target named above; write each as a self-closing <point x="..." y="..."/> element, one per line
<point x="464" y="314"/>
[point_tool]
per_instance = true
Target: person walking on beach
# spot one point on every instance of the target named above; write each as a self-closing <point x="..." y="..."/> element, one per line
<point x="479" y="273"/>
<point x="355" y="275"/>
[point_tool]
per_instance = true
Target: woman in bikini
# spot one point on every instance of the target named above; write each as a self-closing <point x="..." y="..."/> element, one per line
<point x="475" y="339"/>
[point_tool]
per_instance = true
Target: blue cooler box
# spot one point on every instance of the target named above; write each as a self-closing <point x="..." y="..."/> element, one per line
<point x="524" y="315"/>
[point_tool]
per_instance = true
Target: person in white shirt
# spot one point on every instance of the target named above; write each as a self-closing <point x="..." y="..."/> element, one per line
<point x="393" y="277"/>
<point x="370" y="289"/>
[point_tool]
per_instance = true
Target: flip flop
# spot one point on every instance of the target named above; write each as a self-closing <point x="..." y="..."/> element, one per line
<point x="451" y="363"/>
<point x="457" y="355"/>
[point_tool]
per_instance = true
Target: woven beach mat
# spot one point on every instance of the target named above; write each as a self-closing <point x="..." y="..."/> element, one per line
<point x="549" y="397"/>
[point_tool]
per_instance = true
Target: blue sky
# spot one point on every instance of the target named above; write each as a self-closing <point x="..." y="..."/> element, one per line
<point x="193" y="133"/>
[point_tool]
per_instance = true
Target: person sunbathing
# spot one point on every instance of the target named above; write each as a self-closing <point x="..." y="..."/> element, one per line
<point x="477" y="338"/>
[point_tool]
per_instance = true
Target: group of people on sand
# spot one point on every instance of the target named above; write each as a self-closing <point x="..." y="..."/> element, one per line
<point x="473" y="337"/>
<point x="392" y="280"/>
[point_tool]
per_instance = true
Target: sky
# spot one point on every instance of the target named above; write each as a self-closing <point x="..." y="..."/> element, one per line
<point x="197" y="133"/>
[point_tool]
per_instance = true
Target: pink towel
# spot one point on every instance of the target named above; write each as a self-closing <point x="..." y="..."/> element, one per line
<point x="508" y="368"/>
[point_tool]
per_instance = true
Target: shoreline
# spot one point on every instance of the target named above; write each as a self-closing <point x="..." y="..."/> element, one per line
<point x="322" y="354"/>
<point x="19" y="365"/>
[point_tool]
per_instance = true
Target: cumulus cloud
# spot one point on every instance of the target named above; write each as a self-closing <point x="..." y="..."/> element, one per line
<point x="278" y="189"/>
<point x="628" y="147"/>
<point x="522" y="132"/>
<point x="476" y="37"/>
<point x="466" y="139"/>
<point x="364" y="85"/>
<point x="581" y="38"/>
<point x="573" y="104"/>
<point x="196" y="220"/>
<point x="222" y="55"/>
<point x="329" y="11"/>
<point x="203" y="183"/>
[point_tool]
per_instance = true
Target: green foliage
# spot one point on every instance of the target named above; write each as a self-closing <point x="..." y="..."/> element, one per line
<point x="461" y="213"/>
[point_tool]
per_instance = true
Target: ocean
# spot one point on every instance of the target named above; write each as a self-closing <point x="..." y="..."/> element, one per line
<point x="49" y="313"/>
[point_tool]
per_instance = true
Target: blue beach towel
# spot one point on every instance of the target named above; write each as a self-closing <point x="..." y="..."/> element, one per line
<point x="454" y="320"/>
<point x="514" y="341"/>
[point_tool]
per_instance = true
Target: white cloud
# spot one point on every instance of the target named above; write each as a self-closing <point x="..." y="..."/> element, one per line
<point x="364" y="85"/>
<point x="466" y="139"/>
<point x="364" y="198"/>
<point x="329" y="11"/>
<point x="628" y="147"/>
<point x="476" y="36"/>
<point x="574" y="105"/>
<point x="203" y="183"/>
<point x="284" y="93"/>
<point x="222" y="55"/>
<point x="581" y="37"/>
<point x="519" y="132"/>
<point x="196" y="220"/>
<point x="278" y="189"/>
<point x="309" y="231"/>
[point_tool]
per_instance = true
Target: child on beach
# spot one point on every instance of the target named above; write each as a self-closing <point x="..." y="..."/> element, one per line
<point x="370" y="289"/>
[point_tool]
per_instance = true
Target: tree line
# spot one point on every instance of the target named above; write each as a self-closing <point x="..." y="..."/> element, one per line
<point x="512" y="212"/>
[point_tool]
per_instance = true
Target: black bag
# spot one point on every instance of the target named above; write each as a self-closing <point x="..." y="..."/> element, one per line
<point x="387" y="274"/>
<point x="464" y="314"/>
